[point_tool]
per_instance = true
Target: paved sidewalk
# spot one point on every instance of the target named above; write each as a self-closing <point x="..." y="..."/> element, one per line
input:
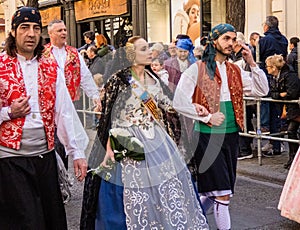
<point x="271" y="169"/>
<point x="73" y="207"/>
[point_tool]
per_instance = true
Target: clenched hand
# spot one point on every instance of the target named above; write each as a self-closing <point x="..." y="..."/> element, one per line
<point x="217" y="119"/>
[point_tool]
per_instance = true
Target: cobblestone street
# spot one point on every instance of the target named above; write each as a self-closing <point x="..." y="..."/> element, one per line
<point x="254" y="183"/>
<point x="73" y="207"/>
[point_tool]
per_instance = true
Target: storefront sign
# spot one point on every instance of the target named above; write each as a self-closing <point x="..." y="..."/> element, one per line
<point x="50" y="14"/>
<point x="95" y="8"/>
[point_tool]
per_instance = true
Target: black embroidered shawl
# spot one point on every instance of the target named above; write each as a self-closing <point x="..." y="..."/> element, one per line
<point x="117" y="90"/>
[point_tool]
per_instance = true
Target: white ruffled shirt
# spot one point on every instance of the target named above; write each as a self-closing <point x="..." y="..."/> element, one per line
<point x="134" y="114"/>
<point x="87" y="82"/>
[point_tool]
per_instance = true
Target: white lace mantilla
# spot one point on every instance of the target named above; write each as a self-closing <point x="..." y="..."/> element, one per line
<point x="135" y="114"/>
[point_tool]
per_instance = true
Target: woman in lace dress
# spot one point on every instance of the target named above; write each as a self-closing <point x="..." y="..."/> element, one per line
<point x="289" y="202"/>
<point x="155" y="193"/>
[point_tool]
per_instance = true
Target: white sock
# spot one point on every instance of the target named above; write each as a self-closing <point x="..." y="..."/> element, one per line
<point x="221" y="213"/>
<point x="206" y="202"/>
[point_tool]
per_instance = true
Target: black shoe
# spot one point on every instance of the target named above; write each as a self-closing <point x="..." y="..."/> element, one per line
<point x="288" y="164"/>
<point x="276" y="153"/>
<point x="243" y="156"/>
<point x="272" y="153"/>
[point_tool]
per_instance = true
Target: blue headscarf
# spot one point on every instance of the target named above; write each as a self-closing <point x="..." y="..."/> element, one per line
<point x="210" y="51"/>
<point x="187" y="44"/>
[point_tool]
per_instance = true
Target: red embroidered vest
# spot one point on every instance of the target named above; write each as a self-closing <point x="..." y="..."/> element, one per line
<point x="207" y="92"/>
<point x="72" y="70"/>
<point x="12" y="86"/>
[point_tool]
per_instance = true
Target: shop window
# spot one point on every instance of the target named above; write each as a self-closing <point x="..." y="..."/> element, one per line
<point x="111" y="27"/>
<point x="118" y="30"/>
<point x="158" y="20"/>
<point x="168" y="18"/>
<point x="192" y="18"/>
<point x="206" y="16"/>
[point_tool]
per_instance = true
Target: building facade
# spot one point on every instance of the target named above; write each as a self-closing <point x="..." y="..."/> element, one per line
<point x="156" y="20"/>
<point x="285" y="10"/>
<point x="7" y="8"/>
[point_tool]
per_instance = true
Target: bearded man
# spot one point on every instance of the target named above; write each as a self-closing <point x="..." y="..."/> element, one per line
<point x="219" y="86"/>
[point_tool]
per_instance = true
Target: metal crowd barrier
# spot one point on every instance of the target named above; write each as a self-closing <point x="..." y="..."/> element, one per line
<point x="258" y="135"/>
<point x="88" y="109"/>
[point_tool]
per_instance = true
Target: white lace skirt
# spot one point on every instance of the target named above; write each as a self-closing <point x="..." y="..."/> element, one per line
<point x="158" y="192"/>
<point x="289" y="202"/>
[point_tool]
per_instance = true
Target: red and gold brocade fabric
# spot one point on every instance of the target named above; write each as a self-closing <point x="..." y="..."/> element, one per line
<point x="207" y="91"/>
<point x="71" y="70"/>
<point x="12" y="86"/>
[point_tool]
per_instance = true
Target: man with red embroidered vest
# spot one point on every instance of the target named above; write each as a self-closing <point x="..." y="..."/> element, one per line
<point x="74" y="68"/>
<point x="219" y="86"/>
<point x="70" y="62"/>
<point x="34" y="101"/>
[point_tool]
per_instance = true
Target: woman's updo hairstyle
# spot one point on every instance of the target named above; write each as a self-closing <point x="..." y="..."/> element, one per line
<point x="130" y="48"/>
<point x="100" y="40"/>
<point x="275" y="60"/>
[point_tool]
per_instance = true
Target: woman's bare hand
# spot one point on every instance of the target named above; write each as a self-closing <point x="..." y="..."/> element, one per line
<point x="109" y="156"/>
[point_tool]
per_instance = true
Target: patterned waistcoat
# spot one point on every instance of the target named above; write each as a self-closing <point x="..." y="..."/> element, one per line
<point x="72" y="70"/>
<point x="207" y="91"/>
<point x="12" y="86"/>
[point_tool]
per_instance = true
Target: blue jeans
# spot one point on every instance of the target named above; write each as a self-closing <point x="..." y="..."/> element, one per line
<point x="275" y="122"/>
<point x="265" y="114"/>
<point x="265" y="109"/>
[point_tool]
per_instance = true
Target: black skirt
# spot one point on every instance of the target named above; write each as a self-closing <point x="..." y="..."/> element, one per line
<point x="30" y="196"/>
<point x="216" y="160"/>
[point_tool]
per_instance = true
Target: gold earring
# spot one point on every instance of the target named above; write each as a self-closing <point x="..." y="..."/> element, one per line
<point x="130" y="52"/>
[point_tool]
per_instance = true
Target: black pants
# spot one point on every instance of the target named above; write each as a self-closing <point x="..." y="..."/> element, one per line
<point x="60" y="149"/>
<point x="245" y="142"/>
<point x="293" y="127"/>
<point x="30" y="197"/>
<point x="216" y="159"/>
